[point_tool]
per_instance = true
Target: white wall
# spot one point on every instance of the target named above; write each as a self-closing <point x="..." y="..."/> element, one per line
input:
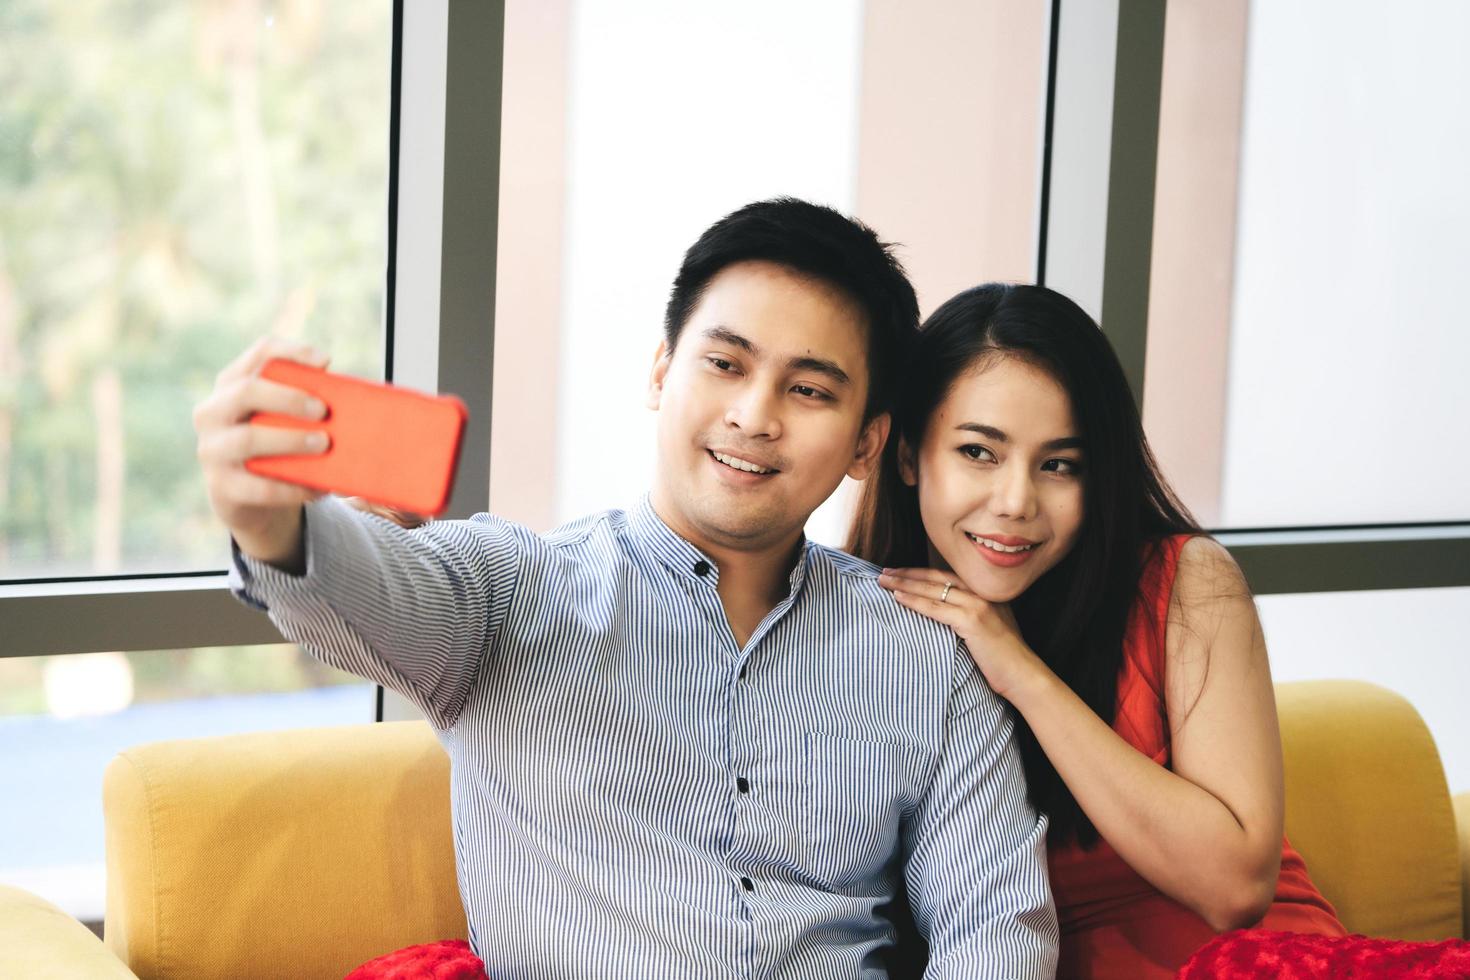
<point x="678" y="114"/>
<point x="1350" y="336"/>
<point x="1412" y="641"/>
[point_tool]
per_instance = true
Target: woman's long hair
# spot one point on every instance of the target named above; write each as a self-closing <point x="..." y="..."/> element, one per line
<point x="1074" y="616"/>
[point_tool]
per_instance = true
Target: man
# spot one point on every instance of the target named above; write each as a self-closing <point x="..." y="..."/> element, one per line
<point x="685" y="741"/>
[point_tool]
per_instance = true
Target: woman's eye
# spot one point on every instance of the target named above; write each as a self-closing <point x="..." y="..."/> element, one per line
<point x="977" y="453"/>
<point x="720" y="364"/>
<point x="1066" y="467"/>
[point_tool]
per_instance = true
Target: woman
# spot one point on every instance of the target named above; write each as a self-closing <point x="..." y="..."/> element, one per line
<point x="1018" y="504"/>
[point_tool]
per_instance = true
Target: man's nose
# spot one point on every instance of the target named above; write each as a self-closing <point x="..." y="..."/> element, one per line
<point x="755" y="411"/>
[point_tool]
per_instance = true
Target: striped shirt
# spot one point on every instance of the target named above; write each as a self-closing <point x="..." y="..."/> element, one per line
<point x="635" y="795"/>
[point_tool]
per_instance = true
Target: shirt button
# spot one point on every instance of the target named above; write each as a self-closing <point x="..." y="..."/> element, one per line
<point x="701" y="568"/>
<point x="747" y="884"/>
<point x="743" y="784"/>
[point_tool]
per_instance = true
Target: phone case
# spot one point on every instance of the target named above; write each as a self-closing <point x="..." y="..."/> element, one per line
<point x="390" y="445"/>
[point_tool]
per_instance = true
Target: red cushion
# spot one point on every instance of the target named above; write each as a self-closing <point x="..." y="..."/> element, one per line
<point x="1250" y="953"/>
<point x="450" y="959"/>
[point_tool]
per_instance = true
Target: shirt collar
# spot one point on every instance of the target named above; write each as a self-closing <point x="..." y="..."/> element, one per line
<point x="687" y="561"/>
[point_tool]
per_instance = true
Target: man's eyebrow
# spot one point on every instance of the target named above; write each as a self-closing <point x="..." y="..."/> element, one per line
<point x="991" y="432"/>
<point x="819" y="365"/>
<point x="732" y="338"/>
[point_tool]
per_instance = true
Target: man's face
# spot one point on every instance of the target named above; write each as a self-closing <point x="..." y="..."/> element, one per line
<point x="761" y="408"/>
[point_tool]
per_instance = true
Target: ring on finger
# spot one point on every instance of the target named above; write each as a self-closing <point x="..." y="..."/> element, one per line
<point x="944" y="596"/>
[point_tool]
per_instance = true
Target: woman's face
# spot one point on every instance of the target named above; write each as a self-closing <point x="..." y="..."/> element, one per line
<point x="999" y="476"/>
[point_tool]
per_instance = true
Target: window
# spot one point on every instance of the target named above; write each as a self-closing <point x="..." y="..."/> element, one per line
<point x="63" y="718"/>
<point x="1261" y="202"/>
<point x="175" y="181"/>
<point x="1309" y="232"/>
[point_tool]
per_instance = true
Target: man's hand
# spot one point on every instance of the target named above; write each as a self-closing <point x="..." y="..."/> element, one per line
<point x="262" y="514"/>
<point x="403" y="518"/>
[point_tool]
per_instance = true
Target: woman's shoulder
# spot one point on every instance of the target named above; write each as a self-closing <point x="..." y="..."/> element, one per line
<point x="1211" y="614"/>
<point x="1206" y="575"/>
<point x="1190" y="585"/>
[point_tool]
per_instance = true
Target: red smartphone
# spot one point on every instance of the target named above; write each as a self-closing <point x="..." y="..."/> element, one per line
<point x="389" y="445"/>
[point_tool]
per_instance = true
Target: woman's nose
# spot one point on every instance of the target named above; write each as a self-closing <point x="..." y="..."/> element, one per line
<point x="1013" y="494"/>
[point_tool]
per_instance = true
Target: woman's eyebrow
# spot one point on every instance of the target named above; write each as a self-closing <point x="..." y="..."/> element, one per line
<point x="988" y="431"/>
<point x="991" y="432"/>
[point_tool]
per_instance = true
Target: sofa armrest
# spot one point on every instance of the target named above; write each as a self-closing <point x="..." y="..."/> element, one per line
<point x="40" y="942"/>
<point x="1368" y="808"/>
<point x="1462" y="821"/>
<point x="295" y="854"/>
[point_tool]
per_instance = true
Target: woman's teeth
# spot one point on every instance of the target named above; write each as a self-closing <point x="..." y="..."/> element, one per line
<point x="739" y="464"/>
<point x="996" y="546"/>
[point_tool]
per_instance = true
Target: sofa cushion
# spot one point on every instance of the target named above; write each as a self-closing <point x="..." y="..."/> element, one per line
<point x="451" y="959"/>
<point x="1259" y="954"/>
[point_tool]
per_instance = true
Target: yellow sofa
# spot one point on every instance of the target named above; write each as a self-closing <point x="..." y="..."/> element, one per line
<point x="302" y="854"/>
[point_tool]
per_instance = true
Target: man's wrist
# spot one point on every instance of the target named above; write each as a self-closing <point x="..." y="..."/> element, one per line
<point x="282" y="547"/>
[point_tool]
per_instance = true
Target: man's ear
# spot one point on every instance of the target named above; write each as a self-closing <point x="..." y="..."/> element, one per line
<point x="870" y="446"/>
<point x="908" y="469"/>
<point x="661" y="358"/>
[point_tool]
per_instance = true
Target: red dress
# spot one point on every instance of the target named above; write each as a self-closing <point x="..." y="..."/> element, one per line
<point x="1114" y="923"/>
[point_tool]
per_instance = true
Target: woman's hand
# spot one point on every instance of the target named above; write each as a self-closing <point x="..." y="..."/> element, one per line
<point x="989" y="629"/>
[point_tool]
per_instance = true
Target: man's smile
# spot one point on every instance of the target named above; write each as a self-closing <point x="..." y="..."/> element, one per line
<point x="743" y="463"/>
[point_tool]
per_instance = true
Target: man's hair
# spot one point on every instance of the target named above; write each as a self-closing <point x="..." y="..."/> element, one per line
<point x="824" y="244"/>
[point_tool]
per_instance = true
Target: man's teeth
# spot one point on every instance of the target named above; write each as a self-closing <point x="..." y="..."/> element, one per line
<point x="997" y="546"/>
<point x="739" y="464"/>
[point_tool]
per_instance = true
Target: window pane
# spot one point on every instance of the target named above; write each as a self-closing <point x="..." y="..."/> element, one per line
<point x="1408" y="640"/>
<point x="880" y="109"/>
<point x="1306" y="328"/>
<point x="63" y="719"/>
<point x="176" y="179"/>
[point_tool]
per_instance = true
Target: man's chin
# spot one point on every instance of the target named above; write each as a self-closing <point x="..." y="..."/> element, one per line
<point x="742" y="526"/>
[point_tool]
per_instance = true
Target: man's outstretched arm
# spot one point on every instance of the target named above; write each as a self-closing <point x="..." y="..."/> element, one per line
<point x="976" y="850"/>
<point x="415" y="611"/>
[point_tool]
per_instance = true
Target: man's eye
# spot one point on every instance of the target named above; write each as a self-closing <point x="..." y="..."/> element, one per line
<point x="977" y="453"/>
<point x="721" y="364"/>
<point x="807" y="391"/>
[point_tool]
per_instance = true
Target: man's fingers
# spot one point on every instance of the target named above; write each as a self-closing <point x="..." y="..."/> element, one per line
<point x="233" y="445"/>
<point x="249" y="363"/>
<point x="261" y="395"/>
<point x="237" y="400"/>
<point x="246" y="489"/>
